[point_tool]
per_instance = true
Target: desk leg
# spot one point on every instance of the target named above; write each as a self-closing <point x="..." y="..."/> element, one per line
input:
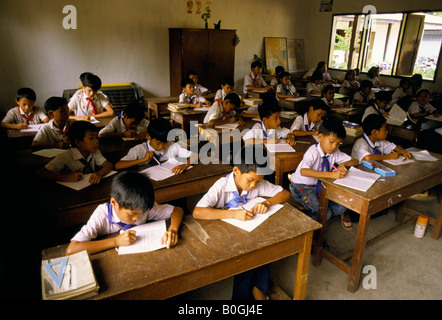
<point x="358" y="254"/>
<point x="279" y="175"/>
<point x="438" y="225"/>
<point x="302" y="268"/>
<point x="322" y="219"/>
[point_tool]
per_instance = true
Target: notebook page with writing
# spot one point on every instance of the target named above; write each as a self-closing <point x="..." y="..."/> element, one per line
<point x="250" y="225"/>
<point x="163" y="171"/>
<point x="148" y="238"/>
<point x="358" y="179"/>
<point x="279" y="147"/>
<point x="83" y="183"/>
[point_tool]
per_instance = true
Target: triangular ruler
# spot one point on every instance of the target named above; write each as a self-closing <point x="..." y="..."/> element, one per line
<point x="58" y="278"/>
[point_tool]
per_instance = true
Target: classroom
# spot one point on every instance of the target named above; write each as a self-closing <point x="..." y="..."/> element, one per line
<point x="136" y="49"/>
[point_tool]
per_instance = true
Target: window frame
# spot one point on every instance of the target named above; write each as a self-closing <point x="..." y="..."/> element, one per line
<point x="398" y="45"/>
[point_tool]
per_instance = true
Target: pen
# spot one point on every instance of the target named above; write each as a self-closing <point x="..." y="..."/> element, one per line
<point x="335" y="167"/>
<point x="157" y="160"/>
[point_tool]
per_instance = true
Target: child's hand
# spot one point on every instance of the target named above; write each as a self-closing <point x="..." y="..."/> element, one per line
<point x="126" y="238"/>
<point x="63" y="145"/>
<point x="241" y="121"/>
<point x="314" y="132"/>
<point x="84" y="118"/>
<point x="180" y="168"/>
<point x="291" y="140"/>
<point x="130" y="134"/>
<point x="261" y="207"/>
<point x="22" y="125"/>
<point x="148" y="156"/>
<point x="95" y="178"/>
<point x="407" y="155"/>
<point x="385" y="114"/>
<point x="338" y="174"/>
<point x="170" y="238"/>
<point x="392" y="156"/>
<point x="74" y="177"/>
<point x="273" y="140"/>
<point x="231" y="120"/>
<point x="244" y="215"/>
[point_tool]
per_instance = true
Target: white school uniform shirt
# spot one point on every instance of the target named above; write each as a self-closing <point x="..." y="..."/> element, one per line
<point x="51" y="134"/>
<point x="286" y="90"/>
<point x="311" y="86"/>
<point x="194" y="99"/>
<point x="99" y="223"/>
<point x="257" y="132"/>
<point x="415" y="108"/>
<point x="399" y="93"/>
<point x="70" y="162"/>
<point x="249" y="80"/>
<point x="81" y="106"/>
<point x="364" y="147"/>
<point x="222" y="192"/>
<point x="313" y="160"/>
<point x="372" y="109"/>
<point x="360" y="97"/>
<point x="220" y="95"/>
<point x="301" y="123"/>
<point x="346" y="84"/>
<point x="333" y="102"/>
<point x="117" y="125"/>
<point x="376" y="82"/>
<point x="216" y="112"/>
<point x="199" y="89"/>
<point x="170" y="150"/>
<point x="17" y="115"/>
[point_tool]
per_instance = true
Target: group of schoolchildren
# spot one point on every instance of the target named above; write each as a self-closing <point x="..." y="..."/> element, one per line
<point x="132" y="199"/>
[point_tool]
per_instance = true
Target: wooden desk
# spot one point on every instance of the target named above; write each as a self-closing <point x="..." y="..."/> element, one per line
<point x="194" y="263"/>
<point x="186" y="116"/>
<point x="410" y="179"/>
<point x="71" y="207"/>
<point x="261" y="95"/>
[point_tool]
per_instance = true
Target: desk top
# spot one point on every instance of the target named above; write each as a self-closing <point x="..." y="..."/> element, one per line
<point x="223" y="243"/>
<point x="410" y="179"/>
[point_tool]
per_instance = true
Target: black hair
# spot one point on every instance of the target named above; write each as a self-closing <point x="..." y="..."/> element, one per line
<point x="366" y="84"/>
<point x="77" y="131"/>
<point x="159" y="129"/>
<point x="320" y="65"/>
<point x="133" y="191"/>
<point x="372" y="122"/>
<point x="356" y="70"/>
<point x="332" y="126"/>
<point x="326" y="88"/>
<point x="317" y="75"/>
<point x="191" y="73"/>
<point x="186" y="81"/>
<point x="256" y="64"/>
<point x="268" y="107"/>
<point x="90" y="80"/>
<point x="348" y="73"/>
<point x="53" y="103"/>
<point x="253" y="158"/>
<point x="383" y="96"/>
<point x="318" y="104"/>
<point x="417" y="79"/>
<point x="234" y="99"/>
<point x="134" y="110"/>
<point x="283" y="74"/>
<point x="372" y="72"/>
<point x="279" y="69"/>
<point x="404" y="81"/>
<point x="227" y="80"/>
<point x="26" y="93"/>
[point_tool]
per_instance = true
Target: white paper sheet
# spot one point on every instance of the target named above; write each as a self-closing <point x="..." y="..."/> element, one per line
<point x="422" y="155"/>
<point x="33" y="128"/>
<point x="399" y="161"/>
<point x="257" y="220"/>
<point x="230" y="126"/>
<point x="148" y="238"/>
<point x="83" y="183"/>
<point x="279" y="147"/>
<point x="358" y="179"/>
<point x="163" y="171"/>
<point x="49" y="153"/>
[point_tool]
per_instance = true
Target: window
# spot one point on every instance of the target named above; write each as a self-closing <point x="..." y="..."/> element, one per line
<point x="401" y="44"/>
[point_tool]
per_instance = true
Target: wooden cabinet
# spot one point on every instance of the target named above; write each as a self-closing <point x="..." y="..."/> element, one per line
<point x="210" y="53"/>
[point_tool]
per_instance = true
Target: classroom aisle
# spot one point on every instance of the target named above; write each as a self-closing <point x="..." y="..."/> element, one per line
<point x="406" y="267"/>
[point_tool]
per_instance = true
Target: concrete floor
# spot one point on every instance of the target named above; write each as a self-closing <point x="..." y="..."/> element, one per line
<point x="406" y="267"/>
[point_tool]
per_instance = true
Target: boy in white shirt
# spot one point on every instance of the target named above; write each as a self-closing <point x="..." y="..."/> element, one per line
<point x="320" y="161"/>
<point x="285" y="89"/>
<point x="314" y="88"/>
<point x="222" y="112"/>
<point x="401" y="92"/>
<point x="245" y="182"/>
<point x="378" y="105"/>
<point x="90" y="101"/>
<point x="309" y="122"/>
<point x="189" y="97"/>
<point x="132" y="203"/>
<point x="364" y="96"/>
<point x="254" y="80"/>
<point x="54" y="134"/>
<point x="372" y="145"/>
<point x="328" y="96"/>
<point x="421" y="108"/>
<point x="199" y="89"/>
<point x="157" y="149"/>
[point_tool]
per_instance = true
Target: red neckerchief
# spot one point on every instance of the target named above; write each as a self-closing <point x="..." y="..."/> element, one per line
<point x="90" y="101"/>
<point x="27" y="118"/>
<point x="225" y="116"/>
<point x="64" y="132"/>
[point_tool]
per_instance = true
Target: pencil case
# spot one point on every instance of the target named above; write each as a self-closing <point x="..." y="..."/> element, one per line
<point x="379" y="168"/>
<point x="350" y="124"/>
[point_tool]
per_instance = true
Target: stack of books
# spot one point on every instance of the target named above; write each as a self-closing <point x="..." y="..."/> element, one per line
<point x="68" y="278"/>
<point x="353" y="129"/>
<point x="174" y="107"/>
<point x="252" y="102"/>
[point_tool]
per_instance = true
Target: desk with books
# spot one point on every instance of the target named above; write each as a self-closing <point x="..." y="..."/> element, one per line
<point x="199" y="260"/>
<point x="411" y="178"/>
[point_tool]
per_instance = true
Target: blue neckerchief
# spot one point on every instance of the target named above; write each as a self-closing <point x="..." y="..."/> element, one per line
<point x="237" y="200"/>
<point x="287" y="90"/>
<point x="121" y="224"/>
<point x="325" y="166"/>
<point x="263" y="130"/>
<point x="375" y="149"/>
<point x="157" y="155"/>
<point x="120" y="117"/>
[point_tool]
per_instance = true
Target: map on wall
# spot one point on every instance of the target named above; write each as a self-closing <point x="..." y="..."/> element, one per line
<point x="296" y="55"/>
<point x="276" y="53"/>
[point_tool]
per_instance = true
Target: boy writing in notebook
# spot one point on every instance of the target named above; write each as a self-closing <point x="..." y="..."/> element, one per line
<point x="254" y="79"/>
<point x="189" y="97"/>
<point x="364" y="96"/>
<point x="130" y="123"/>
<point x="132" y="203"/>
<point x="308" y="124"/>
<point x="245" y="182"/>
<point x="25" y="113"/>
<point x="378" y="105"/>
<point x="222" y="112"/>
<point x="322" y="160"/>
<point x="82" y="158"/>
<point x="373" y="144"/>
<point x="157" y="148"/>
<point x="54" y="134"/>
<point x="269" y="130"/>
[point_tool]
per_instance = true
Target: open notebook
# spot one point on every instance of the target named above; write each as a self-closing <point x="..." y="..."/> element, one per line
<point x="148" y="238"/>
<point x="163" y="171"/>
<point x="358" y="179"/>
<point x="83" y="183"/>
<point x="257" y="220"/>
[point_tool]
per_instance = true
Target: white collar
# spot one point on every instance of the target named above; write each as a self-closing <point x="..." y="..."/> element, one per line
<point x="231" y="185"/>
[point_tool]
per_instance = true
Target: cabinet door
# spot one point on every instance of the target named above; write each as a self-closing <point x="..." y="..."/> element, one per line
<point x="195" y="45"/>
<point x="221" y="57"/>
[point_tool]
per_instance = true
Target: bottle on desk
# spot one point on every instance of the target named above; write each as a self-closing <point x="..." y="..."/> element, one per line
<point x="421" y="226"/>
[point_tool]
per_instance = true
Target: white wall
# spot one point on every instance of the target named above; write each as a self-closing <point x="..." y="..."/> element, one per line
<point x="123" y="41"/>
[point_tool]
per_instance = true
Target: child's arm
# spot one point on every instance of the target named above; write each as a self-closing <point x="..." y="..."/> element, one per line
<point x="124" y="239"/>
<point x="106" y="168"/>
<point x="301" y="133"/>
<point x="126" y="164"/>
<point x="280" y="197"/>
<point x="71" y="177"/>
<point x="48" y="145"/>
<point x="183" y="167"/>
<point x="214" y="123"/>
<point x="15" y="126"/>
<point x="108" y="113"/>
<point x="402" y="152"/>
<point x="170" y="238"/>
<point x="341" y="173"/>
<point x="204" y="213"/>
